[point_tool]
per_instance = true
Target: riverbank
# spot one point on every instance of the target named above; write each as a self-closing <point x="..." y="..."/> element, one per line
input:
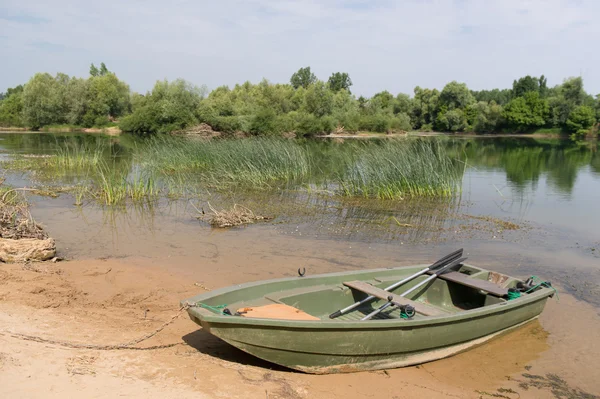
<point x="416" y="133"/>
<point x="107" y="301"/>
<point x="111" y="131"/>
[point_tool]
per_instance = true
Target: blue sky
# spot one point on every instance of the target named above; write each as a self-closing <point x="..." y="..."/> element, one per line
<point x="383" y="45"/>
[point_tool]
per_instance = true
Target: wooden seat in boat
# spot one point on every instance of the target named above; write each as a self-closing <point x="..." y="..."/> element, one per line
<point x="369" y="289"/>
<point x="465" y="280"/>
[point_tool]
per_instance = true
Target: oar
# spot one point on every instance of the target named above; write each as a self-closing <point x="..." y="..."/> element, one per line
<point x="443" y="261"/>
<point x="430" y="278"/>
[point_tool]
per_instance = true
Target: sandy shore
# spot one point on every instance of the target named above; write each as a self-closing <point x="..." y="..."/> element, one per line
<point x="115" y="300"/>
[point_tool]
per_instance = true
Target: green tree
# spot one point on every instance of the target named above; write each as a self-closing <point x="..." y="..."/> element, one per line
<point x="543" y="86"/>
<point x="170" y="106"/>
<point x="527" y="112"/>
<point x="403" y="104"/>
<point x="303" y="78"/>
<point x="581" y="119"/>
<point x="338" y="81"/>
<point x="108" y="98"/>
<point x="525" y="85"/>
<point x="43" y="103"/>
<point x="488" y="116"/>
<point x="456" y="95"/>
<point x="453" y="120"/>
<point x="93" y="70"/>
<point x="11" y="107"/>
<point x="425" y="107"/>
<point x="318" y="100"/>
<point x="572" y="91"/>
<point x="103" y="69"/>
<point x="76" y="101"/>
<point x="500" y="97"/>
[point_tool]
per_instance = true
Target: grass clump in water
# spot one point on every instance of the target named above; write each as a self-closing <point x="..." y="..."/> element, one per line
<point x="114" y="186"/>
<point x="254" y="162"/>
<point x="75" y="156"/>
<point x="395" y="169"/>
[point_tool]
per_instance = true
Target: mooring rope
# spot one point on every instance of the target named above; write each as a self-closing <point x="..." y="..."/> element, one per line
<point x="122" y="346"/>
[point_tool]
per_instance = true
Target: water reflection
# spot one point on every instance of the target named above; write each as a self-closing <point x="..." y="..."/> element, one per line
<point x="525" y="161"/>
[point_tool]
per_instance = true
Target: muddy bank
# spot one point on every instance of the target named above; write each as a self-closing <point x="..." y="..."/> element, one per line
<point x="116" y="300"/>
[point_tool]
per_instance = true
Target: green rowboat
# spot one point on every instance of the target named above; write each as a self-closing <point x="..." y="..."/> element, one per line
<point x="456" y="311"/>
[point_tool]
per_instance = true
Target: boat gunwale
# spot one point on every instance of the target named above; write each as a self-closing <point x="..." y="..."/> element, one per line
<point x="204" y="315"/>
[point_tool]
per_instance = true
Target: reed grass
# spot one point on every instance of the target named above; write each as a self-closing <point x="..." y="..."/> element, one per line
<point x="76" y="156"/>
<point x="114" y="186"/>
<point x="173" y="167"/>
<point x="254" y="162"/>
<point x="396" y="169"/>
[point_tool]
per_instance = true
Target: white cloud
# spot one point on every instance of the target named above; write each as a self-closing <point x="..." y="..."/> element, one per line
<point x="393" y="45"/>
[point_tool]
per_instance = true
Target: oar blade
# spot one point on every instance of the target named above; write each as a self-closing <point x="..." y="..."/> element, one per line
<point x="448" y="258"/>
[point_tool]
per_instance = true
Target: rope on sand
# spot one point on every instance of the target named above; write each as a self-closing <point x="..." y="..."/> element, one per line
<point x="123" y="346"/>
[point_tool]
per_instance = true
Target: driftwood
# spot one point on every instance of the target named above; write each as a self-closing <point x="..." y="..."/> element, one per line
<point x="21" y="238"/>
<point x="26" y="249"/>
<point x="235" y="216"/>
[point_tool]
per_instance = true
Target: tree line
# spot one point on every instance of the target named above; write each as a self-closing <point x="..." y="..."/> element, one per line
<point x="305" y="106"/>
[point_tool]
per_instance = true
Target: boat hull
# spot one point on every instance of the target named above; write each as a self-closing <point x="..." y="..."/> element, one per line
<point x="330" y="351"/>
<point x="338" y="346"/>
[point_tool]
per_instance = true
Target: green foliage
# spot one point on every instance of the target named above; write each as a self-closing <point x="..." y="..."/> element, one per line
<point x="526" y="113"/>
<point x="403" y="104"/>
<point x="572" y="91"/>
<point x="170" y="106"/>
<point x="488" y="116"/>
<point x="500" y="97"/>
<point x="264" y="122"/>
<point x="425" y="106"/>
<point x="318" y="100"/>
<point x="11" y="108"/>
<point x="43" y="102"/>
<point x="303" y="78"/>
<point x="526" y="85"/>
<point x="61" y="99"/>
<point x="376" y="123"/>
<point x="339" y="81"/>
<point x="453" y="120"/>
<point x="581" y="119"/>
<point x="108" y="98"/>
<point x="306" y="106"/>
<point x="456" y="95"/>
<point x="94" y="70"/>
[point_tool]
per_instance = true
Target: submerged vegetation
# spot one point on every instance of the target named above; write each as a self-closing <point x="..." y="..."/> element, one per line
<point x="305" y="106"/>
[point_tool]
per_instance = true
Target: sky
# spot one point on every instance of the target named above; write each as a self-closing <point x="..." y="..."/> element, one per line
<point x="383" y="45"/>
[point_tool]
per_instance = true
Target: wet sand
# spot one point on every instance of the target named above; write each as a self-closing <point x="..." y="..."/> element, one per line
<point x="132" y="284"/>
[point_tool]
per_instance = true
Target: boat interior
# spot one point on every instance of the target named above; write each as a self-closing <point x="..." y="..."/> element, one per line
<point x="466" y="288"/>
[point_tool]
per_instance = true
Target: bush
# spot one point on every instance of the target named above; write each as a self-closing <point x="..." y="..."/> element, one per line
<point x="401" y="122"/>
<point x="308" y="125"/>
<point x="328" y="124"/>
<point x="263" y="122"/>
<point x="143" y="121"/>
<point x="375" y="123"/>
<point x="580" y="120"/>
